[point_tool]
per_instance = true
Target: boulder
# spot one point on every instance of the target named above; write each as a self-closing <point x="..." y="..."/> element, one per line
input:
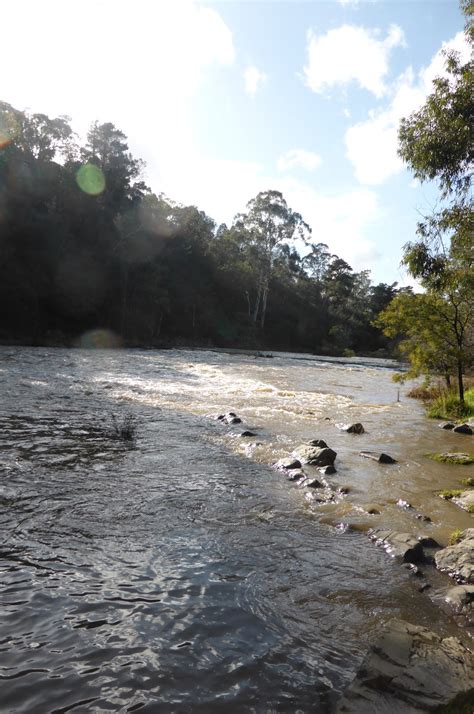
<point x="465" y="500"/>
<point x="288" y="464"/>
<point x="327" y="470"/>
<point x="461" y="598"/>
<point x="448" y="425"/>
<point x="356" y="428"/>
<point x="377" y="456"/>
<point x="463" y="429"/>
<point x="295" y="474"/>
<point x="410" y="670"/>
<point x="320" y="443"/>
<point x="248" y="433"/>
<point x="314" y="456"/>
<point x="458" y="560"/>
<point x="402" y="546"/>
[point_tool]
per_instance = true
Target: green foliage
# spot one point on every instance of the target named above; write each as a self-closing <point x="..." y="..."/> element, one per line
<point x="448" y="406"/>
<point x="448" y="494"/>
<point x="458" y="458"/>
<point x="436" y="142"/>
<point x="469" y="482"/>
<point x="86" y="245"/>
<point x="455" y="537"/>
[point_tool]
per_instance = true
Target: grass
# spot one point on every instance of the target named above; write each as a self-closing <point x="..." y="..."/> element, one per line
<point x="447" y="405"/>
<point x="470" y="508"/>
<point x="455" y="537"/>
<point x="468" y="482"/>
<point x="450" y="493"/>
<point x="123" y="429"/>
<point x="462" y="459"/>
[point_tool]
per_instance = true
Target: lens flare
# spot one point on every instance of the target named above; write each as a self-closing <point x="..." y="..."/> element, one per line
<point x="6" y="132"/>
<point x="90" y="179"/>
<point x="100" y="340"/>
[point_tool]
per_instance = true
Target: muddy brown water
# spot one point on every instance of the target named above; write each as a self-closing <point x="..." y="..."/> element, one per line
<point x="180" y="573"/>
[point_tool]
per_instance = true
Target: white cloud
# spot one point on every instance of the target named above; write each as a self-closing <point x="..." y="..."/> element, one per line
<point x="101" y="60"/>
<point x="223" y="187"/>
<point x="350" y="54"/>
<point x="371" y="145"/>
<point x="253" y="78"/>
<point x="344" y="3"/>
<point x="299" y="158"/>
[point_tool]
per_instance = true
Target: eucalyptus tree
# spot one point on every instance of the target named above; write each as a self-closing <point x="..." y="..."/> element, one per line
<point x="268" y="224"/>
<point x="437" y="144"/>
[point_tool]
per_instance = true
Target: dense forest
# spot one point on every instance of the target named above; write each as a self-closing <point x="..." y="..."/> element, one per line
<point x="85" y="245"/>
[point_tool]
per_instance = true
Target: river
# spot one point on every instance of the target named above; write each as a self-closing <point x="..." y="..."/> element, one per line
<point x="180" y="573"/>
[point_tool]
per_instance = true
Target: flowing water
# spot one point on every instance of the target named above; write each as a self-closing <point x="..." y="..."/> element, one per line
<point x="179" y="572"/>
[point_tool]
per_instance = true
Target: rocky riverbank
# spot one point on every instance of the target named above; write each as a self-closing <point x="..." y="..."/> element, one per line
<point x="409" y="669"/>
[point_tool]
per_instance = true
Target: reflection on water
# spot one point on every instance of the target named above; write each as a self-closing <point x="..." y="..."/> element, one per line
<point x="180" y="573"/>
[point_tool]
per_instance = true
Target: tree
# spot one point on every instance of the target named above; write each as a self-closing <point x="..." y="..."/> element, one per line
<point x="435" y="330"/>
<point x="436" y="143"/>
<point x="268" y="224"/>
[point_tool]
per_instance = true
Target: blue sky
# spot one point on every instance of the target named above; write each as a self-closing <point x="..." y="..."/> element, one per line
<point x="224" y="99"/>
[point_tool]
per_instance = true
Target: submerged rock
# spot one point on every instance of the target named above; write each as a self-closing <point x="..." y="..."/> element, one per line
<point x="313" y="483"/>
<point x="356" y="428"/>
<point x="461" y="599"/>
<point x="463" y="429"/>
<point x="377" y="456"/>
<point x="409" y="670"/>
<point x="315" y="456"/>
<point x="402" y="546"/>
<point x="448" y="425"/>
<point x="248" y="433"/>
<point x="458" y="560"/>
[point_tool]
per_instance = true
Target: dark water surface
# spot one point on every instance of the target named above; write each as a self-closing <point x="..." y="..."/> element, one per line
<point x="180" y="573"/>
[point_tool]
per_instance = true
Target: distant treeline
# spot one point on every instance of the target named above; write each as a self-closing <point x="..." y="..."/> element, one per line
<point x="85" y="245"/>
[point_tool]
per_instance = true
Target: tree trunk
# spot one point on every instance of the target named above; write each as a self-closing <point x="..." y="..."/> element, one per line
<point x="257" y="303"/>
<point x="249" y="309"/>
<point x="460" y="382"/>
<point x="447" y="378"/>
<point x="264" y="305"/>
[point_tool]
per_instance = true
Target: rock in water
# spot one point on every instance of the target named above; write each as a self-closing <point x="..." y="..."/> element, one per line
<point x="287" y="464"/>
<point x="410" y="670"/>
<point x="461" y="599"/>
<point x="327" y="470"/>
<point x="402" y="546"/>
<point x="353" y="428"/>
<point x="465" y="500"/>
<point x="458" y="560"/>
<point x="320" y="443"/>
<point x="463" y="429"/>
<point x="448" y="425"/>
<point x="380" y="457"/>
<point x="315" y="456"/>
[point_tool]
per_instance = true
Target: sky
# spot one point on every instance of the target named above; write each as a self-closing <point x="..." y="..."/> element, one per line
<point x="226" y="99"/>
